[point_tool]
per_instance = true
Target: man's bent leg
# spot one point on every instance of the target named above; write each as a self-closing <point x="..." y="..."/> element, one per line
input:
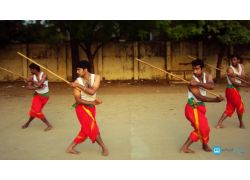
<point x="105" y="151"/>
<point x="28" y="123"/>
<point x="47" y="123"/>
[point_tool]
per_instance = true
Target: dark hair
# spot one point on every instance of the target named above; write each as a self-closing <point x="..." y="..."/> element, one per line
<point x="34" y="66"/>
<point x="234" y="55"/>
<point x="83" y="64"/>
<point x="198" y="62"/>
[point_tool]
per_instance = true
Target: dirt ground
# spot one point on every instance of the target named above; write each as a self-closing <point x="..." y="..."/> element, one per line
<point x="136" y="120"/>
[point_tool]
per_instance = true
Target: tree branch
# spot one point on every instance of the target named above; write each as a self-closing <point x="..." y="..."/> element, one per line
<point x="97" y="48"/>
<point x="83" y="48"/>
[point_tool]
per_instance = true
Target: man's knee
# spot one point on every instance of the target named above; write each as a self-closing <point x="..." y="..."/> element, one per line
<point x="194" y="136"/>
<point x="229" y="113"/>
<point x="240" y="110"/>
<point x="79" y="139"/>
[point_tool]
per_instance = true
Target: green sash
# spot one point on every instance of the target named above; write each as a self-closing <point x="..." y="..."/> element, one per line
<point x="232" y="86"/>
<point x="76" y="104"/>
<point x="44" y="95"/>
<point x="194" y="104"/>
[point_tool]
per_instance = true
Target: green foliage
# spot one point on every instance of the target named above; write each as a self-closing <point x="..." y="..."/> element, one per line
<point x="224" y="32"/>
<point x="10" y="31"/>
<point x="85" y="31"/>
<point x="181" y="30"/>
<point x="29" y="32"/>
<point x="136" y="30"/>
<point x="229" y="32"/>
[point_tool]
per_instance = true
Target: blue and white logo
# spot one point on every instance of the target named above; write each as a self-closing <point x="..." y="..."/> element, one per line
<point x="217" y="150"/>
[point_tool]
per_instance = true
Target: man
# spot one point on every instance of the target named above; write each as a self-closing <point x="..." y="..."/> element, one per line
<point x="195" y="110"/>
<point x="38" y="82"/>
<point x="234" y="100"/>
<point x="85" y="88"/>
<point x="243" y="75"/>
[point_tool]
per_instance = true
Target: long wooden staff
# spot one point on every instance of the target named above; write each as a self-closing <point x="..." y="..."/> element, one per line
<point x="191" y="57"/>
<point x="47" y="70"/>
<point x="13" y="73"/>
<point x="174" y="76"/>
<point x="44" y="68"/>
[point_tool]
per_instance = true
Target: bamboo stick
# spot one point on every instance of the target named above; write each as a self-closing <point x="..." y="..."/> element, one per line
<point x="13" y="73"/>
<point x="49" y="71"/>
<point x="174" y="76"/>
<point x="43" y="67"/>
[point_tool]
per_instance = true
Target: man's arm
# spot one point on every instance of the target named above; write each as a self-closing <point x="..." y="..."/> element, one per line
<point x="40" y="83"/>
<point x="92" y="90"/>
<point x="232" y="78"/>
<point x="30" y="84"/>
<point x="243" y="74"/>
<point x="196" y="92"/>
<point x="208" y="85"/>
<point x="77" y="95"/>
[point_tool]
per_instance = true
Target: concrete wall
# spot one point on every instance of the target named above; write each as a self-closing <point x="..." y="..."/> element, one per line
<point x="52" y="58"/>
<point x="155" y="54"/>
<point x="9" y="59"/>
<point x="117" y="61"/>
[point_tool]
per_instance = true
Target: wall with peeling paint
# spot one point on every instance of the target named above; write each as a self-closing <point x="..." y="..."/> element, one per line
<point x="117" y="61"/>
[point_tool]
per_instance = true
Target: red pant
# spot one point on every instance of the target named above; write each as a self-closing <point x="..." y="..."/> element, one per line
<point x="38" y="103"/>
<point x="198" y="119"/>
<point x="234" y="101"/>
<point x="89" y="127"/>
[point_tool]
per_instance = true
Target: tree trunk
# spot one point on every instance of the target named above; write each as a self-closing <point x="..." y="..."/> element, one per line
<point x="91" y="61"/>
<point x="230" y="51"/>
<point x="140" y="56"/>
<point x="27" y="62"/>
<point x="90" y="56"/>
<point x="74" y="44"/>
<point x="219" y="62"/>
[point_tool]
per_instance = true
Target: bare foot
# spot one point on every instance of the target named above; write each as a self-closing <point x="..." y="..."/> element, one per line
<point x="242" y="126"/>
<point x="206" y="148"/>
<point x="105" y="152"/>
<point x="219" y="126"/>
<point x="186" y="150"/>
<point x="25" y="126"/>
<point x="48" y="128"/>
<point x="72" y="151"/>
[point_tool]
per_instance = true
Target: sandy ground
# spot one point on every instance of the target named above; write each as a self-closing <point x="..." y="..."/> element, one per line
<point x="136" y="122"/>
